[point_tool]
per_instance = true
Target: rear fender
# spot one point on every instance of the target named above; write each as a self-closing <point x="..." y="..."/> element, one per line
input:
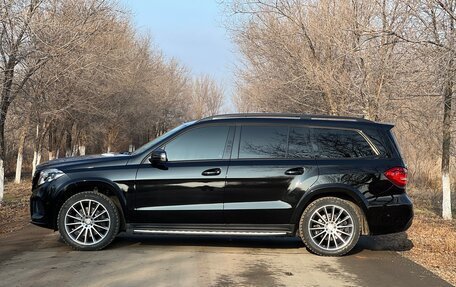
<point x="337" y="190"/>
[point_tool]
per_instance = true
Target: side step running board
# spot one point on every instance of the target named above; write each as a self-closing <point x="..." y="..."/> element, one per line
<point x="211" y="232"/>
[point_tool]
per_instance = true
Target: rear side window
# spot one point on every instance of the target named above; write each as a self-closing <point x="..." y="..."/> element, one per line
<point x="377" y="138"/>
<point x="263" y="142"/>
<point x="337" y="143"/>
<point x="299" y="143"/>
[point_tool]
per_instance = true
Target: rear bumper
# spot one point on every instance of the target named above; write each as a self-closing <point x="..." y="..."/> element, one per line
<point x="389" y="214"/>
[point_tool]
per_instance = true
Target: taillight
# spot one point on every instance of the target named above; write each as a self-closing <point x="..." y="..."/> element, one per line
<point x="397" y="175"/>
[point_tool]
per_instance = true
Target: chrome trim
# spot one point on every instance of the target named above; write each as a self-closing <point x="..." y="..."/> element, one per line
<point x="253" y="205"/>
<point x="278" y="204"/>
<point x="201" y="232"/>
<point x="205" y="206"/>
<point x="369" y="141"/>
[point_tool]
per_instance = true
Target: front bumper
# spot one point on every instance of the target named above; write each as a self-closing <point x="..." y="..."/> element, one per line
<point x="389" y="214"/>
<point x="42" y="212"/>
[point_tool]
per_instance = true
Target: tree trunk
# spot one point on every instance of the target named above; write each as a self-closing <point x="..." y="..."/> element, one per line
<point x="20" y="153"/>
<point x="82" y="150"/>
<point x="4" y="105"/>
<point x="68" y="147"/>
<point x="38" y="157"/>
<point x="34" y="162"/>
<point x="74" y="151"/>
<point x="35" y="151"/>
<point x="51" y="155"/>
<point x="446" y="144"/>
<point x="2" y="180"/>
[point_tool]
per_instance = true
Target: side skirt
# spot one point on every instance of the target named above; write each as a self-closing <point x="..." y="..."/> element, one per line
<point x="213" y="229"/>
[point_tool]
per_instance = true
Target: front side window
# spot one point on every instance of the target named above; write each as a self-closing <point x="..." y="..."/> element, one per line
<point x="205" y="143"/>
<point x="263" y="142"/>
<point x="337" y="143"/>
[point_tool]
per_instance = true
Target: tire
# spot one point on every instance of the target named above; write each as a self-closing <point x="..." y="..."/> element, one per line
<point x="330" y="226"/>
<point x="88" y="221"/>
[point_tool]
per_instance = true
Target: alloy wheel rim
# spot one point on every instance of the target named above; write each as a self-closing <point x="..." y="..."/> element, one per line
<point x="331" y="227"/>
<point x="87" y="222"/>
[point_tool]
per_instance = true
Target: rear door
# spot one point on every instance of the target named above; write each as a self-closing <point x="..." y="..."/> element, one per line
<point x="271" y="167"/>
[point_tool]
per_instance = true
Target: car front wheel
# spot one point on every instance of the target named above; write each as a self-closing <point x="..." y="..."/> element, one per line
<point x="330" y="226"/>
<point x="88" y="221"/>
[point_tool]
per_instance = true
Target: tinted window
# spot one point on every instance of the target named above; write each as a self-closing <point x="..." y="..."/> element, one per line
<point x="299" y="144"/>
<point x="263" y="142"/>
<point x="333" y="143"/>
<point x="198" y="144"/>
<point x="379" y="141"/>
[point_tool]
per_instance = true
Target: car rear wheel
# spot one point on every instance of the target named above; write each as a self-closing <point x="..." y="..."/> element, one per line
<point x="330" y="226"/>
<point x="88" y="221"/>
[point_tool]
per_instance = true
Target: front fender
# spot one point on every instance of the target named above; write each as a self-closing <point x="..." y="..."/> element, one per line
<point x="61" y="193"/>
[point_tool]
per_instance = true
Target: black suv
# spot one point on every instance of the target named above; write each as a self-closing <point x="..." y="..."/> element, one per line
<point x="325" y="179"/>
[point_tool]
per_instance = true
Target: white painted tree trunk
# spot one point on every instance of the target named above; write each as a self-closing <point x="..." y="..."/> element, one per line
<point x="17" y="179"/>
<point x="2" y="180"/>
<point x="20" y="152"/>
<point x="57" y="153"/>
<point x="34" y="162"/>
<point x="82" y="150"/>
<point x="446" y="202"/>
<point x="51" y="155"/>
<point x="38" y="158"/>
<point x="74" y="151"/>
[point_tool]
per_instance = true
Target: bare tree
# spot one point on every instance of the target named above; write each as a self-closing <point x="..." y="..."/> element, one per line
<point x="434" y="31"/>
<point x="382" y="60"/>
<point x="31" y="35"/>
<point x="206" y="97"/>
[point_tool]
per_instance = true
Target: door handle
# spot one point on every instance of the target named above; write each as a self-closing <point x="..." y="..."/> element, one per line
<point x="295" y="171"/>
<point x="212" y="172"/>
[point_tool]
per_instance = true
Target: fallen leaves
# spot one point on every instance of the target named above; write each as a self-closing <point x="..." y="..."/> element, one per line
<point x="14" y="212"/>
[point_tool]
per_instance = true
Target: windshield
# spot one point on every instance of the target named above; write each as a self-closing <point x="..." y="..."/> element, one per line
<point x="163" y="136"/>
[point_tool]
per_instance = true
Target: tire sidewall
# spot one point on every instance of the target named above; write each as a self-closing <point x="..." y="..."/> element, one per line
<point x="113" y="215"/>
<point x="305" y="221"/>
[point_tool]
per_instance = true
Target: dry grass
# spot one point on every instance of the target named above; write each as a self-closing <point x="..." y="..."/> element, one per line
<point x="434" y="244"/>
<point x="14" y="211"/>
<point x="434" y="239"/>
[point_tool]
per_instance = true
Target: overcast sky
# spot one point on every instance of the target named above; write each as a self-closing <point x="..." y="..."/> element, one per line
<point x="190" y="31"/>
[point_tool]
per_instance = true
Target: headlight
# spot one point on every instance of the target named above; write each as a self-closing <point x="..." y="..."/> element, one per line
<point x="49" y="175"/>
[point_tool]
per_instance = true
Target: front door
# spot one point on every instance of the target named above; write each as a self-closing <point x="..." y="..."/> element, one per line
<point x="189" y="187"/>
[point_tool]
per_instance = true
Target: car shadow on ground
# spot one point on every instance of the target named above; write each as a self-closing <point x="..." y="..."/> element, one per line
<point x="391" y="242"/>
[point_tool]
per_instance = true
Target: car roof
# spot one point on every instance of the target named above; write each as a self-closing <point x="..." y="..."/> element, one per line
<point x="320" y="120"/>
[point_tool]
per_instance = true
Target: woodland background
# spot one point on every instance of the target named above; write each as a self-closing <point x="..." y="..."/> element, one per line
<point x="76" y="78"/>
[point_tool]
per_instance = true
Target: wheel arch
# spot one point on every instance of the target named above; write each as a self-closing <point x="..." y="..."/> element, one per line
<point x="103" y="186"/>
<point x="342" y="191"/>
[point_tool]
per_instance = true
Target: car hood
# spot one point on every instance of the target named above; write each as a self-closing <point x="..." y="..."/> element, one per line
<point x="89" y="161"/>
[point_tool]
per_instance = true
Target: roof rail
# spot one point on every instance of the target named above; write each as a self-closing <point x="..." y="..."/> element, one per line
<point x="285" y="115"/>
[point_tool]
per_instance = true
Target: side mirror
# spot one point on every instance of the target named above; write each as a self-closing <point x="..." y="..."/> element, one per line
<point x="158" y="157"/>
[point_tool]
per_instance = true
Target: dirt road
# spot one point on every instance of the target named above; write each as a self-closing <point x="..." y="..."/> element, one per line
<point x="36" y="256"/>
